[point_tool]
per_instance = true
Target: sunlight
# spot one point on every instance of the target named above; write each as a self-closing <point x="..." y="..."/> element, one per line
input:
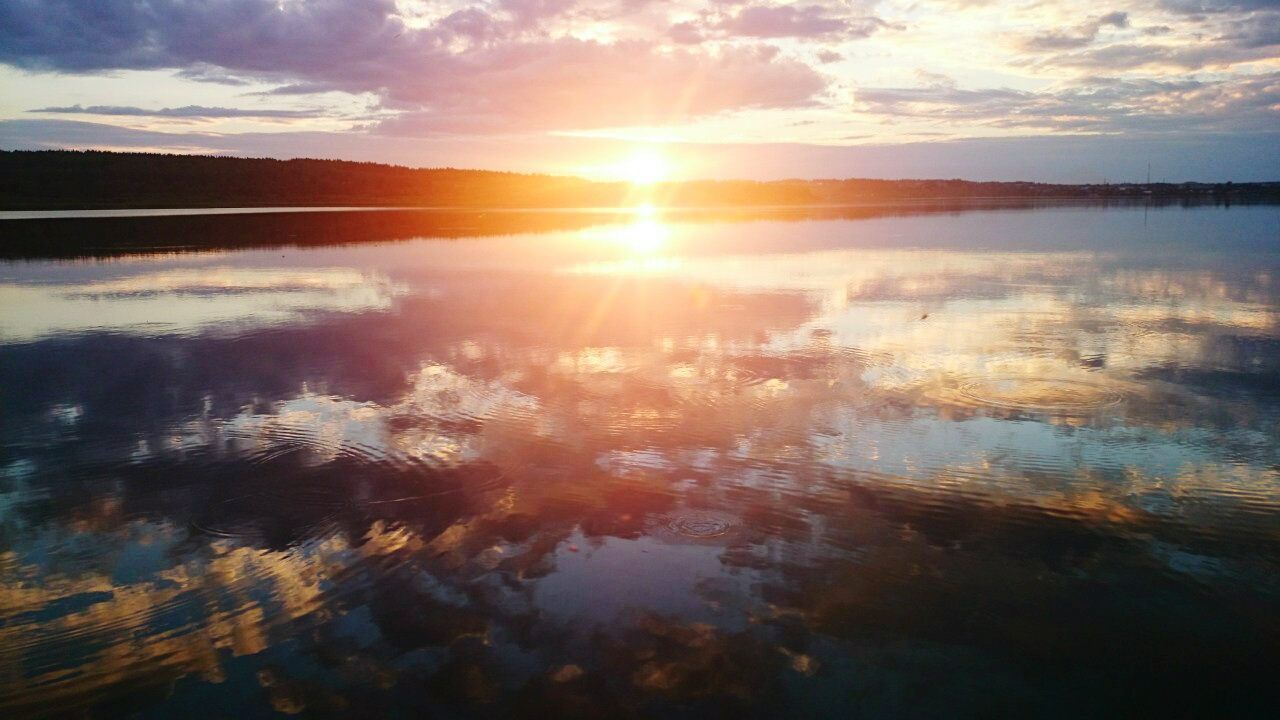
<point x="646" y="234"/>
<point x="641" y="165"/>
<point x="643" y="237"/>
<point x="645" y="166"/>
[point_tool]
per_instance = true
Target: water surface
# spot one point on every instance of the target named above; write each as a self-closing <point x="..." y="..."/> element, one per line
<point x="1013" y="461"/>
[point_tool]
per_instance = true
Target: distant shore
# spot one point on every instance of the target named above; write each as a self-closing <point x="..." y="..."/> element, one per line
<point x="95" y="180"/>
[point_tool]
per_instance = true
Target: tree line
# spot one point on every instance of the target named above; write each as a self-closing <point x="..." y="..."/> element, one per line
<point x="64" y="179"/>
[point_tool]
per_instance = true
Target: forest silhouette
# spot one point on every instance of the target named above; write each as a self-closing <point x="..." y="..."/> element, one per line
<point x="69" y="179"/>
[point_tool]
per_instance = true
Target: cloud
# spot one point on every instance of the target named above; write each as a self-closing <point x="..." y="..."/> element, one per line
<point x="318" y="38"/>
<point x="578" y="84"/>
<point x="210" y="74"/>
<point x="809" y="21"/>
<point x="530" y="13"/>
<point x="1206" y="7"/>
<point x="686" y="33"/>
<point x="472" y="70"/>
<point x="191" y="112"/>
<point x="1078" y="36"/>
<point x="777" y="21"/>
<point x="1095" y="104"/>
<point x="1134" y="56"/>
<point x="449" y="67"/>
<point x="1195" y="36"/>
<point x="81" y="135"/>
<point x="1259" y="30"/>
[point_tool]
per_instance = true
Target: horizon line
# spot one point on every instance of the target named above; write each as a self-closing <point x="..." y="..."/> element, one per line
<point x="622" y="182"/>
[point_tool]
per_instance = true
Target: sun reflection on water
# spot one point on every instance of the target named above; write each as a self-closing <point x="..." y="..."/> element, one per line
<point x="642" y="242"/>
<point x="644" y="236"/>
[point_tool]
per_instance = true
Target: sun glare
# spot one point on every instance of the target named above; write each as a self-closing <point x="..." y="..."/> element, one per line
<point x="645" y="166"/>
<point x="645" y="235"/>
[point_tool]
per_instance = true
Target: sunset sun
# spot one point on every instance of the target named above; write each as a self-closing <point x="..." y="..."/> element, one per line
<point x="644" y="166"/>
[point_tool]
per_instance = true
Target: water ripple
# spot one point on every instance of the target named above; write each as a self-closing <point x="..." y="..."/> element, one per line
<point x="1045" y="395"/>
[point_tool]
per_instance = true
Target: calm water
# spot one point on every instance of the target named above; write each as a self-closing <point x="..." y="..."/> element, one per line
<point x="1009" y="462"/>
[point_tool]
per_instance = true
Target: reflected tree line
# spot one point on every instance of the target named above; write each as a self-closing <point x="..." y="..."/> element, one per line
<point x="71" y="237"/>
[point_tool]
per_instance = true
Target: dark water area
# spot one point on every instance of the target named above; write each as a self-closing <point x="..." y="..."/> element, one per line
<point x="985" y="461"/>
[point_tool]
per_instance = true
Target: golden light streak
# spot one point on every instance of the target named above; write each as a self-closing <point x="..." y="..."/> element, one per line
<point x="645" y="165"/>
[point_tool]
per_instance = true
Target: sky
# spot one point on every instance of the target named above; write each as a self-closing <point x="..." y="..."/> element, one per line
<point x="1047" y="90"/>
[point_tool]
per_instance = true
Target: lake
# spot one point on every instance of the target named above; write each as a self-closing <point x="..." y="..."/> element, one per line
<point x="984" y="460"/>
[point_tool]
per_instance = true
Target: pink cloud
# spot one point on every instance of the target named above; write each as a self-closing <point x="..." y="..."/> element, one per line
<point x="578" y="84"/>
<point x="478" y="69"/>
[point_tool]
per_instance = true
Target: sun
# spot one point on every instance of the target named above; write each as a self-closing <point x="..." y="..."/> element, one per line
<point x="644" y="166"/>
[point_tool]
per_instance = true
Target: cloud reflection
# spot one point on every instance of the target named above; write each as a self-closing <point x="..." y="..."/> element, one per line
<point x="187" y="301"/>
<point x="765" y="469"/>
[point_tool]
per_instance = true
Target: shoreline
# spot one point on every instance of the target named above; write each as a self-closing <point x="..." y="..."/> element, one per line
<point x="13" y="215"/>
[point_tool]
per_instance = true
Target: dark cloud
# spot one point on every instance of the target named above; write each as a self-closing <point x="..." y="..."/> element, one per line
<point x="336" y="38"/>
<point x="1131" y="56"/>
<point x="1115" y="19"/>
<point x="191" y="112"/>
<point x="1208" y="7"/>
<point x="1258" y="30"/>
<point x="1078" y="36"/>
